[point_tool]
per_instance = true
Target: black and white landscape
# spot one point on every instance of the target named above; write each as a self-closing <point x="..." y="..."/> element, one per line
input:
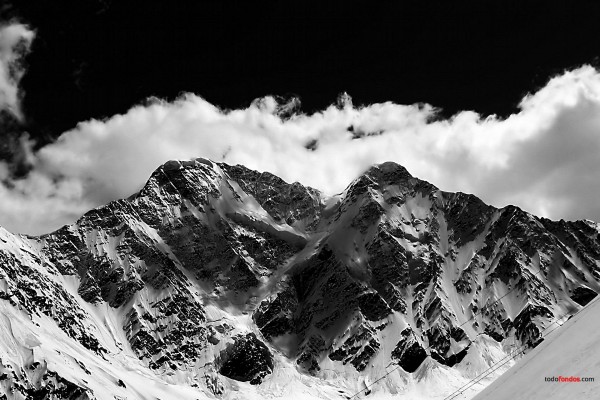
<point x="298" y="201"/>
<point x="217" y="280"/>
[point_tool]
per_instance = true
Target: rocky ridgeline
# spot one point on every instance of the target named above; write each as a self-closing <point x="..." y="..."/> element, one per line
<point x="335" y="276"/>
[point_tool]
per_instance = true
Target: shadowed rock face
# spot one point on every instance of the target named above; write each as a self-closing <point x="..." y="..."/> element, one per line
<point x="294" y="204"/>
<point x="246" y="360"/>
<point x="408" y="352"/>
<point x="202" y="244"/>
<point x="583" y="295"/>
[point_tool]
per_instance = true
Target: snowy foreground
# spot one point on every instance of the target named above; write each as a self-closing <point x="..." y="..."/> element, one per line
<point x="572" y="350"/>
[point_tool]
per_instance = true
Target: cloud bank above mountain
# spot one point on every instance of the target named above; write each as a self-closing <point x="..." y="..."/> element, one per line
<point x="545" y="158"/>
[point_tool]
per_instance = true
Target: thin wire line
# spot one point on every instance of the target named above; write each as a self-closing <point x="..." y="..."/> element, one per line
<point x="586" y="308"/>
<point x="460" y="326"/>
<point x="510" y="356"/>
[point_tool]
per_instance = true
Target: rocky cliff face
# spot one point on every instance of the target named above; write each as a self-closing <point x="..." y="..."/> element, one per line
<point x="216" y="278"/>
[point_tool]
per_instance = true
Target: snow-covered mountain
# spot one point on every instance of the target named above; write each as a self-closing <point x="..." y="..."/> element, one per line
<point x="216" y="281"/>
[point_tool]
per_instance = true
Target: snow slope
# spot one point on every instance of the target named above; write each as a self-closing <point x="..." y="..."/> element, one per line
<point x="572" y="350"/>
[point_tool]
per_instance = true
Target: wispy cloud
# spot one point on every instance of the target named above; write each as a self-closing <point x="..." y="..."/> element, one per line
<point x="15" y="41"/>
<point x="543" y="158"/>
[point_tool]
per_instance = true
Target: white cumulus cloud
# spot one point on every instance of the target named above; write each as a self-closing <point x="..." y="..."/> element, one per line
<point x="545" y="158"/>
<point x="15" y="41"/>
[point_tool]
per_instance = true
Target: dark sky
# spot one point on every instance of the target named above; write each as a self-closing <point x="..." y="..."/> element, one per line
<point x="92" y="59"/>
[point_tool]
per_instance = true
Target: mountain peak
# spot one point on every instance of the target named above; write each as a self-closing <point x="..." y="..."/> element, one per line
<point x="388" y="171"/>
<point x="173" y="165"/>
<point x="214" y="266"/>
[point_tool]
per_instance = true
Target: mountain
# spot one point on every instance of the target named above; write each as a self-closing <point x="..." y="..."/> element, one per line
<point x="216" y="281"/>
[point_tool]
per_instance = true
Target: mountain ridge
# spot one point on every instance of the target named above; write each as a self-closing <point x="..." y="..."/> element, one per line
<point x="212" y="266"/>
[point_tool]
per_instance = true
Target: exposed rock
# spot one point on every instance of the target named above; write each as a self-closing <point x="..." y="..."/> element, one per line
<point x="246" y="360"/>
<point x="583" y="295"/>
<point x="408" y="352"/>
<point x="202" y="244"/>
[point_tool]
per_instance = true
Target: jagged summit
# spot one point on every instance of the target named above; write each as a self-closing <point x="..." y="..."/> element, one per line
<point x="211" y="267"/>
<point x="384" y="173"/>
<point x="389" y="172"/>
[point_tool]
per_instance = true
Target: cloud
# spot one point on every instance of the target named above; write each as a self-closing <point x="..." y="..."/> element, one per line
<point x="543" y="158"/>
<point x="15" y="41"/>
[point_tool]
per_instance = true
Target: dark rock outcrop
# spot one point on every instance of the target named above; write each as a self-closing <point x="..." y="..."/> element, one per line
<point x="246" y="360"/>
